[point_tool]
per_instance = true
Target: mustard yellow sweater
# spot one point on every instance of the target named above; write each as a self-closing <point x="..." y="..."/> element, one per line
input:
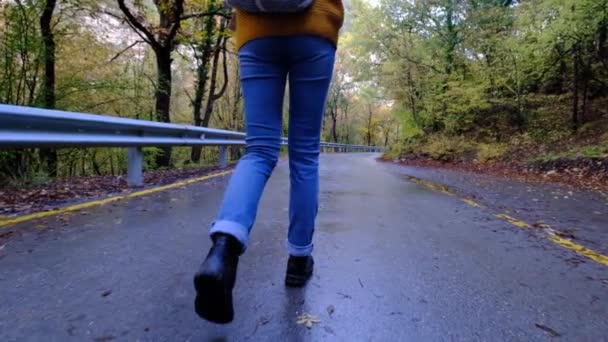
<point x="324" y="18"/>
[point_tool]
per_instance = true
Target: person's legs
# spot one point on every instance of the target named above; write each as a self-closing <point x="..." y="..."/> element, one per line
<point x="309" y="78"/>
<point x="263" y="75"/>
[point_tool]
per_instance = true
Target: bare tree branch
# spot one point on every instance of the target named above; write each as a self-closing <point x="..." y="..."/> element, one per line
<point x="95" y="105"/>
<point x="125" y="50"/>
<point x="138" y="25"/>
<point x="225" y="85"/>
<point x="179" y="9"/>
<point x="220" y="13"/>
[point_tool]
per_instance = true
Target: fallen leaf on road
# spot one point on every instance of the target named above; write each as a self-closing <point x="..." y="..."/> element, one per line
<point x="345" y="296"/>
<point x="547" y="330"/>
<point x="329" y="330"/>
<point x="565" y="234"/>
<point x="262" y="321"/>
<point x="594" y="299"/>
<point x="540" y="225"/>
<point x="331" y="309"/>
<point x="308" y="320"/>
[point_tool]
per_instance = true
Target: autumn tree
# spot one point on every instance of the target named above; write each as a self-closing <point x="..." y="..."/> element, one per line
<point x="48" y="156"/>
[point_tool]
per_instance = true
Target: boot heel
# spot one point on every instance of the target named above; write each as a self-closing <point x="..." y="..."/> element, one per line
<point x="213" y="300"/>
<point x="215" y="280"/>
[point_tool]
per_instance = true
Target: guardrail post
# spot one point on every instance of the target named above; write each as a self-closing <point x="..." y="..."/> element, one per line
<point x="223" y="157"/>
<point x="135" y="166"/>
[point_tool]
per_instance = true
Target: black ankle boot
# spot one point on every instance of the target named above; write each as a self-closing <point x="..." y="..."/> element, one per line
<point x="215" y="279"/>
<point x="299" y="270"/>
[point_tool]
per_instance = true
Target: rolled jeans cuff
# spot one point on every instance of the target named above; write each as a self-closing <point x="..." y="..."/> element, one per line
<point x="299" y="250"/>
<point x="240" y="232"/>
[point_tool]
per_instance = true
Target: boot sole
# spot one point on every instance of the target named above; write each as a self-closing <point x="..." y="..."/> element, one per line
<point x="213" y="300"/>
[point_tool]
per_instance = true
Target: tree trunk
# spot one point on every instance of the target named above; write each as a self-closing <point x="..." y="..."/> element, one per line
<point x="163" y="99"/>
<point x="346" y="135"/>
<point x="334" y="124"/>
<point x="583" y="115"/>
<point x="202" y="76"/>
<point x="575" y="83"/>
<point x="451" y="36"/>
<point x="387" y="133"/>
<point x="235" y="151"/>
<point x="48" y="156"/>
<point x="220" y="48"/>
<point x="161" y="39"/>
<point x="412" y="96"/>
<point x="369" y="126"/>
<point x="603" y="38"/>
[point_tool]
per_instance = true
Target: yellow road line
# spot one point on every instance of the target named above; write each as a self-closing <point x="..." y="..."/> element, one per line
<point x="578" y="249"/>
<point x="76" y="207"/>
<point x="431" y="185"/>
<point x="551" y="233"/>
<point x="553" y="237"/>
<point x="472" y="203"/>
<point x="513" y="221"/>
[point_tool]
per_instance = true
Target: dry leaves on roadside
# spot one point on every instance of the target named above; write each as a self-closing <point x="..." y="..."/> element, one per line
<point x="60" y="191"/>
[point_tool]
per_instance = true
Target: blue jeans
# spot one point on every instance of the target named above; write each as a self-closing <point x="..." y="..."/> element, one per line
<point x="265" y="64"/>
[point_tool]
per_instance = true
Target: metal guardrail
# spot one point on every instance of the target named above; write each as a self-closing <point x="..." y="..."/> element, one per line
<point x="27" y="127"/>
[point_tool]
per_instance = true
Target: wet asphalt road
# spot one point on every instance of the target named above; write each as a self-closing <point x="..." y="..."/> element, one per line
<point x="581" y="214"/>
<point x="394" y="262"/>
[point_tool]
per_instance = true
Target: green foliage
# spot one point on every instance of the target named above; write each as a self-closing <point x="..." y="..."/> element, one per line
<point x="394" y="151"/>
<point x="447" y="148"/>
<point x="463" y="103"/>
<point x="485" y="69"/>
<point x="150" y="154"/>
<point x="490" y="152"/>
<point x="409" y="127"/>
<point x="20" y="48"/>
<point x="40" y="178"/>
<point x="545" y="158"/>
<point x="604" y="139"/>
<point x="589" y="151"/>
<point x="593" y="152"/>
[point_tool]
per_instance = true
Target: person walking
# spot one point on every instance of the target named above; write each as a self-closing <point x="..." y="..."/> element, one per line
<point x="273" y="47"/>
